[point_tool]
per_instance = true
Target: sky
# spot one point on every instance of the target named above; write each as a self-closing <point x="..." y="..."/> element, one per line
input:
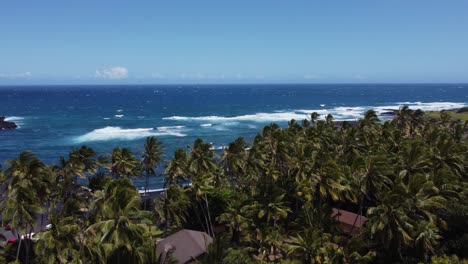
<point x="261" y="41"/>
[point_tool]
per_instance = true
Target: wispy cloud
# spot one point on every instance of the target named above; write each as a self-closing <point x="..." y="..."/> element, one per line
<point x="17" y="75"/>
<point x="112" y="73"/>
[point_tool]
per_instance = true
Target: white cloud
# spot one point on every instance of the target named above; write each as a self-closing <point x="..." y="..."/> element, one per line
<point x="17" y="75"/>
<point x="112" y="73"/>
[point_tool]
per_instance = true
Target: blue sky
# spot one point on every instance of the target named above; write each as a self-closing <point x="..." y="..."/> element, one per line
<point x="72" y="42"/>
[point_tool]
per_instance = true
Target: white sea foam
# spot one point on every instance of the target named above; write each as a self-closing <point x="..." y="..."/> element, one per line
<point x="433" y="106"/>
<point x="18" y="120"/>
<point x="119" y="116"/>
<point x="106" y="118"/>
<point x="13" y="118"/>
<point x="118" y="133"/>
<point x="170" y="128"/>
<point x="322" y="105"/>
<point x="258" y="117"/>
<point x="206" y="125"/>
<point x="341" y="113"/>
<point x="119" y="110"/>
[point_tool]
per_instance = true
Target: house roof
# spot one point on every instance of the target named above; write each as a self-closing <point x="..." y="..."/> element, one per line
<point x="348" y="218"/>
<point x="185" y="245"/>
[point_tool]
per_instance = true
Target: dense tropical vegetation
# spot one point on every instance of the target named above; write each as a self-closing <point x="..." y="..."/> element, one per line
<point x="408" y="176"/>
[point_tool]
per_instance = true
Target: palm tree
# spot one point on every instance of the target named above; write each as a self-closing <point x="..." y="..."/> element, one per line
<point x="86" y="156"/>
<point x="172" y="207"/>
<point x="201" y="167"/>
<point x="177" y="169"/>
<point x="234" y="217"/>
<point x="414" y="158"/>
<point x="28" y="182"/>
<point x="308" y="246"/>
<point x="269" y="205"/>
<point x="60" y="244"/>
<point x="121" y="225"/>
<point x="152" y="156"/>
<point x="123" y="163"/>
<point x="391" y="226"/>
<point x="325" y="183"/>
<point x="447" y="154"/>
<point x="234" y="160"/>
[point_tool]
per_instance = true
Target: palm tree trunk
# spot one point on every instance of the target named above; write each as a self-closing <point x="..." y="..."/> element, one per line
<point x="206" y="219"/>
<point x="209" y="216"/>
<point x="199" y="219"/>
<point x="146" y="189"/>
<point x="28" y="243"/>
<point x="357" y="216"/>
<point x="19" y="245"/>
<point x="166" y="216"/>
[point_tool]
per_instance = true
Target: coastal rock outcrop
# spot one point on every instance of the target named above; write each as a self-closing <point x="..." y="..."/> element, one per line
<point x="6" y="124"/>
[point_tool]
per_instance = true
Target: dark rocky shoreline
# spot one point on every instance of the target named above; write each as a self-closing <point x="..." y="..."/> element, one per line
<point x="6" y="124"/>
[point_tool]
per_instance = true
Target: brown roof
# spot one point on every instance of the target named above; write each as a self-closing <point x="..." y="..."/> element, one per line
<point x="186" y="245"/>
<point x="348" y="218"/>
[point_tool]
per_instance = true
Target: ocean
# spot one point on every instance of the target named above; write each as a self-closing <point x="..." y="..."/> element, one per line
<point x="53" y="119"/>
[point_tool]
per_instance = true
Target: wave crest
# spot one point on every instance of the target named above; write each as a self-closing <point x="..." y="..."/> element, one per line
<point x="341" y="113"/>
<point x="118" y="133"/>
<point x="13" y="118"/>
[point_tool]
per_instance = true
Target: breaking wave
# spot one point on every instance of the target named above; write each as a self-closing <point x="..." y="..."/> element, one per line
<point x="13" y="118"/>
<point x="118" y="133"/>
<point x="258" y="117"/>
<point x="341" y="113"/>
<point x="19" y="121"/>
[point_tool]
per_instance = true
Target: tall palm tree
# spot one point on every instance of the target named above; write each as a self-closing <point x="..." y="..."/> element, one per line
<point x="235" y="217"/>
<point x="234" y="160"/>
<point x="152" y="156"/>
<point x="177" y="169"/>
<point x="391" y="226"/>
<point x="28" y="181"/>
<point x="172" y="207"/>
<point x="121" y="225"/>
<point x="201" y="167"/>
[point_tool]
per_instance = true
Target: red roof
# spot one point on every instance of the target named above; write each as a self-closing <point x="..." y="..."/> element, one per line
<point x="348" y="218"/>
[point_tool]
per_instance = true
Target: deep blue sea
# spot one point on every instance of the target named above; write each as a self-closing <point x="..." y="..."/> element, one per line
<point x="53" y="119"/>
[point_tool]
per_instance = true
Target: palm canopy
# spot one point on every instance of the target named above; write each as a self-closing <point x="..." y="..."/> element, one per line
<point x="177" y="169"/>
<point x="152" y="155"/>
<point x="123" y="163"/>
<point x="28" y="180"/>
<point x="121" y="226"/>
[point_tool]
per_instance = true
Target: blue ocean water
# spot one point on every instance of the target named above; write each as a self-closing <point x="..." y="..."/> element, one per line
<point x="53" y="119"/>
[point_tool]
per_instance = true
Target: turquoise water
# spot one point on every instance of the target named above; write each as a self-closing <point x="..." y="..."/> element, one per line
<point x="52" y="119"/>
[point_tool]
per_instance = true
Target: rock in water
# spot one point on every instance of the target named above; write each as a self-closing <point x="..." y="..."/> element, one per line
<point x="6" y="125"/>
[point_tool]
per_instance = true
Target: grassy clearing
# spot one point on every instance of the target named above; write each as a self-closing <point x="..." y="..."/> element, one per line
<point x="453" y="114"/>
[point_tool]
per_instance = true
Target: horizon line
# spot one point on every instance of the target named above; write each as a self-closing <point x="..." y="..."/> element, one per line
<point x="232" y="84"/>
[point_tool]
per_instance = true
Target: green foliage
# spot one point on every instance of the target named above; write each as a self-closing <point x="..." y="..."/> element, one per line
<point x="98" y="181"/>
<point x="448" y="260"/>
<point x="236" y="256"/>
<point x="408" y="176"/>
